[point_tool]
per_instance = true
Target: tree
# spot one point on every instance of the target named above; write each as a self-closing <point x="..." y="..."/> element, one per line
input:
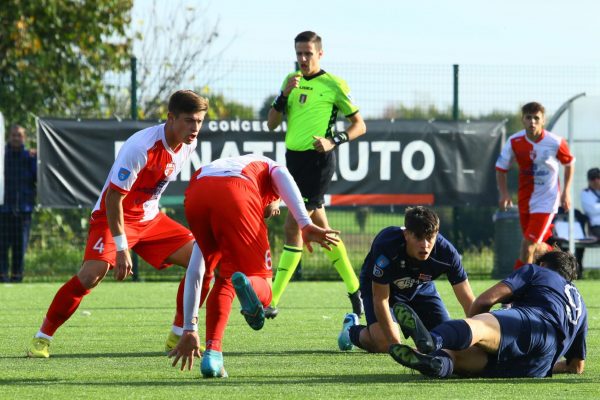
<point x="55" y="54"/>
<point x="220" y="108"/>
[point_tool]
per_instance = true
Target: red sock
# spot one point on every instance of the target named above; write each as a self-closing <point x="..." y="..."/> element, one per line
<point x="262" y="289"/>
<point x="65" y="302"/>
<point x="518" y="264"/>
<point x="178" y="320"/>
<point x="218" y="307"/>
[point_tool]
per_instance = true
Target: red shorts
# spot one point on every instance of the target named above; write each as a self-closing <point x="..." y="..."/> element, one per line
<point x="226" y="217"/>
<point x="536" y="227"/>
<point x="154" y="240"/>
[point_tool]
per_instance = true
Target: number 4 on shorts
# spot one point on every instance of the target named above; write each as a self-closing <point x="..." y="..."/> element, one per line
<point x="99" y="246"/>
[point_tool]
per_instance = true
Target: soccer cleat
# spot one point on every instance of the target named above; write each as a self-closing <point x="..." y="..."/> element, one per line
<point x="252" y="309"/>
<point x="39" y="348"/>
<point x="344" y="342"/>
<point x="271" y="312"/>
<point x="412" y="327"/>
<point x="357" y="304"/>
<point x="212" y="365"/>
<point x="425" y="364"/>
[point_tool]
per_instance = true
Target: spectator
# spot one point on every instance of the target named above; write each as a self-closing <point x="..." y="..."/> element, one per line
<point x="19" y="197"/>
<point x="590" y="201"/>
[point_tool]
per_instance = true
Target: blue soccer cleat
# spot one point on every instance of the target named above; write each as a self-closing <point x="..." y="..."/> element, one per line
<point x="252" y="308"/>
<point x="212" y="365"/>
<point x="412" y="326"/>
<point x="344" y="342"/>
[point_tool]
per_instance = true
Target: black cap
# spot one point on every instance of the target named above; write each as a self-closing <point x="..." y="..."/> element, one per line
<point x="593" y="173"/>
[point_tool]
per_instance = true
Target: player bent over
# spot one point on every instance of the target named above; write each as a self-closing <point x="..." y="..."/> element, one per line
<point x="401" y="267"/>
<point x="548" y="320"/>
<point x="127" y="215"/>
<point x="230" y="230"/>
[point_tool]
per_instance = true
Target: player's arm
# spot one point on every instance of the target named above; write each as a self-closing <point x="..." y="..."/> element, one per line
<point x="357" y="128"/>
<point x="381" y="306"/>
<point x="280" y="103"/>
<point x="504" y="201"/>
<point x="573" y="366"/>
<point x="565" y="197"/>
<point x="464" y="295"/>
<point x="494" y="295"/>
<point x="116" y="224"/>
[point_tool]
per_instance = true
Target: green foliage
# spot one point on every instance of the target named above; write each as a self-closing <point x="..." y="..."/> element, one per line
<point x="115" y="351"/>
<point x="55" y="54"/>
<point x="221" y="108"/>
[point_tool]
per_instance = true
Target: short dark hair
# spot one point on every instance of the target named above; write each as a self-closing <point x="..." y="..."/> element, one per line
<point x="560" y="261"/>
<point x="422" y="222"/>
<point x="533" y="108"/>
<point x="309" y="36"/>
<point x="593" y="173"/>
<point x="187" y="101"/>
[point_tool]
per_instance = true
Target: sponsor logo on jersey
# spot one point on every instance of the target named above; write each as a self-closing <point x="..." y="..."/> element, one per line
<point x="405" y="283"/>
<point x="424" y="278"/>
<point x="169" y="169"/>
<point x="124" y="174"/>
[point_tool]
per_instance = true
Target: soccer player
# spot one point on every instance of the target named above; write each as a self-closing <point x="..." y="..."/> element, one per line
<point x="548" y="320"/>
<point x="538" y="153"/>
<point x="401" y="267"/>
<point x="126" y="215"/>
<point x="230" y="231"/>
<point x="311" y="98"/>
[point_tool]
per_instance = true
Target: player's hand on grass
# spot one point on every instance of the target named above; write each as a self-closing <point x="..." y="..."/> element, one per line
<point x="325" y="237"/>
<point x="187" y="348"/>
<point x="123" y="265"/>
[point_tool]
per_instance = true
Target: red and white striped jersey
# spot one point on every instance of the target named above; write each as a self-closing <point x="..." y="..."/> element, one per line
<point x="144" y="167"/>
<point x="252" y="167"/>
<point x="539" y="187"/>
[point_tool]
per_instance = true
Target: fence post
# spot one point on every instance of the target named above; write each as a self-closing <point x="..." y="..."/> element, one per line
<point x="135" y="261"/>
<point x="455" y="115"/>
<point x="455" y="93"/>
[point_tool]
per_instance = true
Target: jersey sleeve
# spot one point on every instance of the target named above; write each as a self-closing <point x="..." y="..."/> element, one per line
<point x="127" y="166"/>
<point x="564" y="153"/>
<point x="578" y="347"/>
<point x="344" y="100"/>
<point x="456" y="274"/>
<point x="519" y="280"/>
<point x="381" y="270"/>
<point x="505" y="157"/>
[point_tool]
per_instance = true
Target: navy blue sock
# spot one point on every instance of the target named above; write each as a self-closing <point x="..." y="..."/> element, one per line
<point x="355" y="334"/>
<point x="452" y="335"/>
<point x="447" y="363"/>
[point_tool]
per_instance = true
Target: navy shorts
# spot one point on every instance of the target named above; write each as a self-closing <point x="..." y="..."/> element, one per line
<point x="312" y="172"/>
<point x="427" y="303"/>
<point x="527" y="346"/>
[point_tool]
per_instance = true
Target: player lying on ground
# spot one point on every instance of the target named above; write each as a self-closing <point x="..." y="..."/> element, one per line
<point x="548" y="320"/>
<point x="401" y="267"/>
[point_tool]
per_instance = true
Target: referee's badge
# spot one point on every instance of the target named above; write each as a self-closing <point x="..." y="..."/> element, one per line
<point x="302" y="98"/>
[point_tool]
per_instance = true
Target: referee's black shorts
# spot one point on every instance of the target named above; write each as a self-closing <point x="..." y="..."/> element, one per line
<point x="312" y="172"/>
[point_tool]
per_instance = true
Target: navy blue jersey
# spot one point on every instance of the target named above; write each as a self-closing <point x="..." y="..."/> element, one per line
<point x="388" y="263"/>
<point x="550" y="297"/>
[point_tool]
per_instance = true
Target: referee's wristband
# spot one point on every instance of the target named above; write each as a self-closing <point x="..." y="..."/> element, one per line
<point x="121" y="242"/>
<point x="339" y="138"/>
<point x="280" y="103"/>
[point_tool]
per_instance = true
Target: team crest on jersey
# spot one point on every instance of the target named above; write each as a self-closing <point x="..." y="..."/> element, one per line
<point x="124" y="174"/>
<point x="303" y="98"/>
<point x="532" y="155"/>
<point x="169" y="169"/>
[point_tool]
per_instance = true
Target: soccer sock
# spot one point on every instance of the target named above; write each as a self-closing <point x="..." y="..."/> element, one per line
<point x="262" y="289"/>
<point x="285" y="270"/>
<point x="65" y="302"/>
<point x="218" y="308"/>
<point x="339" y="258"/>
<point x="447" y="363"/>
<point x="452" y="335"/>
<point x="518" y="264"/>
<point x="354" y="332"/>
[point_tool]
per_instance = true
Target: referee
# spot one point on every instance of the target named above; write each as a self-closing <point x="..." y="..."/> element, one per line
<point x="312" y="98"/>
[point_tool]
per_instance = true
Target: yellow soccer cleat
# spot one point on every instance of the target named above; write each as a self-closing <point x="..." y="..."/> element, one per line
<point x="172" y="341"/>
<point x="38" y="348"/>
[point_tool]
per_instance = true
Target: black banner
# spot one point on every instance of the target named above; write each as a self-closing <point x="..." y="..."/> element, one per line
<point x="396" y="162"/>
